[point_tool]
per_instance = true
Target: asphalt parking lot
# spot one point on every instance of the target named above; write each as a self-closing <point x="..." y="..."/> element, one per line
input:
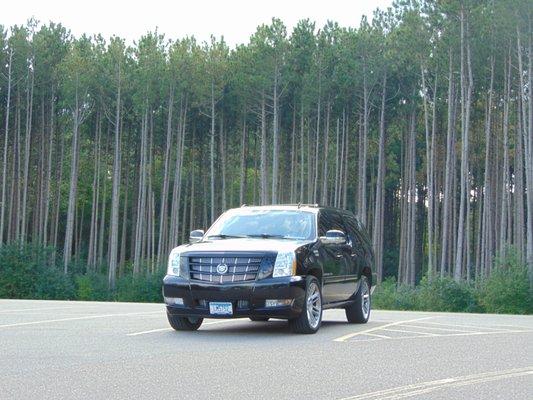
<point x="91" y="350"/>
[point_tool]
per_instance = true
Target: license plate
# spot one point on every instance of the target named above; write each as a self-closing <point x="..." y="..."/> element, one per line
<point x="221" y="308"/>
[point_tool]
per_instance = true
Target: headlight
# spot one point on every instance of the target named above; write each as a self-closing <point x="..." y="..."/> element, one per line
<point x="285" y="264"/>
<point x="174" y="263"/>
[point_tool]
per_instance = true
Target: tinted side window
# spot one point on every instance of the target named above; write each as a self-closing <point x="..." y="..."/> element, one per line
<point x="352" y="229"/>
<point x="328" y="220"/>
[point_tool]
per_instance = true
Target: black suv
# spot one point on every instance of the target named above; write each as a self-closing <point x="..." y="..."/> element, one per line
<point x="283" y="261"/>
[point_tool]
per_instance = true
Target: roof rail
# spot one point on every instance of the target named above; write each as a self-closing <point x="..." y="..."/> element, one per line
<point x="286" y="204"/>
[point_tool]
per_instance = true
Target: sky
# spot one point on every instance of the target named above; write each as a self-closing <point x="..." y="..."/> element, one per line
<point x="236" y="20"/>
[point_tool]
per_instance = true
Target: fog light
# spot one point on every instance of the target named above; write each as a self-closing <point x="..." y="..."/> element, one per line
<point x="174" y="301"/>
<point x="242" y="304"/>
<point x="278" y="303"/>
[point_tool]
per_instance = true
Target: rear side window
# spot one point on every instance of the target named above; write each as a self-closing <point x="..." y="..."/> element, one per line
<point x="357" y="233"/>
<point x="352" y="230"/>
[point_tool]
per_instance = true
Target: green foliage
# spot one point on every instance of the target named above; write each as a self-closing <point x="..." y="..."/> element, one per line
<point x="30" y="271"/>
<point x="445" y="294"/>
<point x="92" y="287"/>
<point x="389" y="296"/>
<point x="140" y="289"/>
<point x="507" y="289"/>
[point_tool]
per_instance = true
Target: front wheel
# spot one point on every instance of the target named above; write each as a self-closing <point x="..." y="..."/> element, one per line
<point x="359" y="311"/>
<point x="311" y="317"/>
<point x="184" y="323"/>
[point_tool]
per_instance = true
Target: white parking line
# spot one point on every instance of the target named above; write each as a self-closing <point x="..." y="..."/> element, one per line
<point x="409" y="331"/>
<point x="169" y="329"/>
<point x="437" y="329"/>
<point x="376" y="328"/>
<point x="77" y="318"/>
<point x="430" y="386"/>
<point x="37" y="309"/>
<point x="378" y="336"/>
<point x="150" y="331"/>
<point x="467" y="326"/>
<point x="436" y="335"/>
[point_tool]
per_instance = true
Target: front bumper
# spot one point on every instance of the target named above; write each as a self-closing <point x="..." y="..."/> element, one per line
<point x="248" y="299"/>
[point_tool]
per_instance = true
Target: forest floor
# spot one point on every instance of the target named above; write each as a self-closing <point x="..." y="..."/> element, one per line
<point x="62" y="349"/>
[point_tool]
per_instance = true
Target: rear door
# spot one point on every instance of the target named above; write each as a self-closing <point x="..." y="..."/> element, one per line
<point x="359" y="248"/>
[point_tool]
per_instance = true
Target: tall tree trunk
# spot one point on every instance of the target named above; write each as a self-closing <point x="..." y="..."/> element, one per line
<point x="486" y="230"/>
<point x="466" y="94"/>
<point x="530" y="162"/>
<point x="363" y="148"/>
<point x="377" y="231"/>
<point x="141" y="200"/>
<point x="317" y="142"/>
<point x="448" y="172"/>
<point x="326" y="158"/>
<point x="115" y="196"/>
<point x="27" y="142"/>
<point x="49" y="166"/>
<point x="93" y="231"/>
<point x="73" y="187"/>
<point x="163" y="218"/>
<point x="263" y="167"/>
<point x="222" y="138"/>
<point x="302" y="153"/>
<point x="6" y="142"/>
<point x="293" y="154"/>
<point x="212" y="156"/>
<point x="505" y="201"/>
<point x="275" y="141"/>
<point x="243" y="175"/>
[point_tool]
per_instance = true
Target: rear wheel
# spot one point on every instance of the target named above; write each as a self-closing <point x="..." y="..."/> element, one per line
<point x="259" y="319"/>
<point x="359" y="311"/>
<point x="311" y="317"/>
<point x="184" y="323"/>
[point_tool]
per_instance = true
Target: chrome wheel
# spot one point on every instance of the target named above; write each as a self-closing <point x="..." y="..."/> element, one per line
<point x="365" y="299"/>
<point x="314" y="305"/>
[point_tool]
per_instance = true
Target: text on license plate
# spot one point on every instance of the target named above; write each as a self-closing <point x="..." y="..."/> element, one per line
<point x="220" y="308"/>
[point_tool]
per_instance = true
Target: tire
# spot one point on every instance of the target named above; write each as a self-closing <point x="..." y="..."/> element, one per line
<point x="311" y="317"/>
<point x="184" y="323"/>
<point x="259" y="319"/>
<point x="359" y="311"/>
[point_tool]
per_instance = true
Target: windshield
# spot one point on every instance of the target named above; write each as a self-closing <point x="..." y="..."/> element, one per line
<point x="264" y="224"/>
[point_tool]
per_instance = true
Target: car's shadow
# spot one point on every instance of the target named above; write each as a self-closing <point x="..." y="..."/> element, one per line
<point x="244" y="326"/>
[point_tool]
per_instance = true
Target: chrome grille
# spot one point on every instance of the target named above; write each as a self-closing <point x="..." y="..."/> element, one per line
<point x="241" y="268"/>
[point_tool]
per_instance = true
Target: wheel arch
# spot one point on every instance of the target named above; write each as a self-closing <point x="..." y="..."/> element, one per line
<point x="367" y="271"/>
<point x="318" y="274"/>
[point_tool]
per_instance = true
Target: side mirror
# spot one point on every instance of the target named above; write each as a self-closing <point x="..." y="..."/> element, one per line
<point x="196" y="235"/>
<point x="333" y="236"/>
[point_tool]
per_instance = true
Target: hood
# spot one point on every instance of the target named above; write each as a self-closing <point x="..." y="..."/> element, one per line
<point x="243" y="245"/>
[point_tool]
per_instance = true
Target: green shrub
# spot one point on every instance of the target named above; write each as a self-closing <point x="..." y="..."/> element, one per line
<point x="389" y="296"/>
<point x="507" y="289"/>
<point x="140" y="288"/>
<point x="29" y="271"/>
<point x="92" y="287"/>
<point x="445" y="294"/>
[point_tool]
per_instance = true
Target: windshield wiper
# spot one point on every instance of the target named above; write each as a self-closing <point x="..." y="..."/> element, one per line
<point x="223" y="236"/>
<point x="267" y="236"/>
